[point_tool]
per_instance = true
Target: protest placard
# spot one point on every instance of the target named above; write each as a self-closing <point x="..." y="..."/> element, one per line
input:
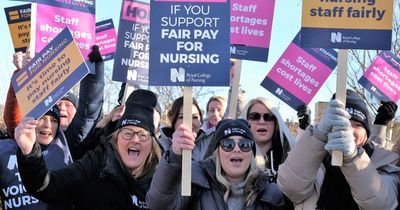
<point x="49" y="76"/>
<point x="299" y="73"/>
<point x="347" y="24"/>
<point x="251" y="25"/>
<point x="189" y="43"/>
<point x="19" y="23"/>
<point x="50" y="17"/>
<point x="382" y="78"/>
<point x="106" y="39"/>
<point x="131" y="62"/>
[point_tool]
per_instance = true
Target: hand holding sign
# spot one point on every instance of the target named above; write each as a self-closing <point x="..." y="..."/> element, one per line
<point x="25" y="134"/>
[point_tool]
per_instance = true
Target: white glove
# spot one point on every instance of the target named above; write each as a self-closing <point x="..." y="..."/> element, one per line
<point x="342" y="139"/>
<point x="335" y="115"/>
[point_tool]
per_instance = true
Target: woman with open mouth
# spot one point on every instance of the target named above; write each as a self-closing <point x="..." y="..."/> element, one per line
<point x="115" y="175"/>
<point x="271" y="135"/>
<point x="229" y="179"/>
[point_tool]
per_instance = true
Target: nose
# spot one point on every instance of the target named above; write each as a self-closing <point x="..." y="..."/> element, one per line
<point x="47" y="122"/>
<point x="236" y="148"/>
<point x="61" y="106"/>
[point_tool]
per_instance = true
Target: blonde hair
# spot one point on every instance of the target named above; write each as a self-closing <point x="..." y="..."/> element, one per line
<point x="151" y="161"/>
<point x="221" y="99"/>
<point x="250" y="182"/>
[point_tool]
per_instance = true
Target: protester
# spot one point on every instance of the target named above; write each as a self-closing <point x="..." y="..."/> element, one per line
<point x="113" y="176"/>
<point x="215" y="112"/>
<point x="55" y="153"/>
<point x="366" y="180"/>
<point x="273" y="138"/>
<point x="175" y="116"/>
<point x="77" y="124"/>
<point x="227" y="180"/>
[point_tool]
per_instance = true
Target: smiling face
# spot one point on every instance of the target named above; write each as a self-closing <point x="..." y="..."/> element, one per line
<point x="67" y="113"/>
<point x="236" y="162"/>
<point x="359" y="133"/>
<point x="46" y="129"/>
<point x="262" y="130"/>
<point x="215" y="112"/>
<point x="196" y="120"/>
<point x="133" y="152"/>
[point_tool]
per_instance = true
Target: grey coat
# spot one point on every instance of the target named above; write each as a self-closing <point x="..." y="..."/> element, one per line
<point x="207" y="192"/>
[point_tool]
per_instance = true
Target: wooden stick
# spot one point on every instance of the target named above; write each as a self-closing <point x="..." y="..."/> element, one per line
<point x="129" y="88"/>
<point x="187" y="154"/>
<point x="235" y="89"/>
<point x="32" y="42"/>
<point x="337" y="155"/>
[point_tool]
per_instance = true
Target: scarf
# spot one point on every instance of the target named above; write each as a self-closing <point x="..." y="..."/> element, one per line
<point x="335" y="191"/>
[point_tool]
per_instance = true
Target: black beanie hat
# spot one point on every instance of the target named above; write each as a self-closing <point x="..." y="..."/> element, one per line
<point x="228" y="127"/>
<point x="139" y="110"/>
<point x="72" y="98"/>
<point x="55" y="112"/>
<point x="357" y="108"/>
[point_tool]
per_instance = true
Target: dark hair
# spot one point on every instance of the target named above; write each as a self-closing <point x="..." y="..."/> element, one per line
<point x="173" y="113"/>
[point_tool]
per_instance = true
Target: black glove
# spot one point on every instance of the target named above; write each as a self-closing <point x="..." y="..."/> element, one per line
<point x="303" y="114"/>
<point x="95" y="55"/>
<point x="386" y="112"/>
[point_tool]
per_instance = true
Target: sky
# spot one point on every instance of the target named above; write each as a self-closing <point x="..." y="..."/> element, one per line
<point x="286" y="24"/>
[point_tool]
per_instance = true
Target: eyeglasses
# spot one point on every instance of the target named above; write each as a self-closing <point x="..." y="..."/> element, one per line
<point x="257" y="116"/>
<point x="245" y="145"/>
<point x="128" y="134"/>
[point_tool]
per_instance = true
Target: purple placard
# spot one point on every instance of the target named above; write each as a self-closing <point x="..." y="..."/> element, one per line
<point x="382" y="78"/>
<point x="251" y="25"/>
<point x="52" y="17"/>
<point x="106" y="39"/>
<point x="298" y="75"/>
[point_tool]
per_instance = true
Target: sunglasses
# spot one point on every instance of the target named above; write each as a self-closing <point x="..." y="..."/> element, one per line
<point x="257" y="116"/>
<point x="127" y="134"/>
<point x="245" y="145"/>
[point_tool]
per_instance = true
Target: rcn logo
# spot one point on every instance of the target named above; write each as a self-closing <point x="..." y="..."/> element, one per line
<point x="336" y="37"/>
<point x="48" y="101"/>
<point x="177" y="74"/>
<point x="279" y="91"/>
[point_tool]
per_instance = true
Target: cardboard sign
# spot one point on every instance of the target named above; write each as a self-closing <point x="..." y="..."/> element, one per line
<point x="49" y="76"/>
<point x="52" y="17"/>
<point x="106" y="39"/>
<point x="299" y="73"/>
<point x="131" y="62"/>
<point x="347" y="24"/>
<point x="382" y="78"/>
<point x="189" y="43"/>
<point x="251" y="25"/>
<point x="19" y="23"/>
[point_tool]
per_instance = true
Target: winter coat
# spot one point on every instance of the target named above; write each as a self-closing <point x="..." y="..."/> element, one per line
<point x="207" y="192"/>
<point x="88" y="112"/>
<point x="13" y="193"/>
<point x="373" y="180"/>
<point x="97" y="181"/>
<point x="203" y="143"/>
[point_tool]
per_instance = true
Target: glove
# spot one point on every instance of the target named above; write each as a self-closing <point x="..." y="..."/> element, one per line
<point x="95" y="55"/>
<point x="303" y="114"/>
<point x="342" y="139"/>
<point x="335" y="115"/>
<point x="386" y="112"/>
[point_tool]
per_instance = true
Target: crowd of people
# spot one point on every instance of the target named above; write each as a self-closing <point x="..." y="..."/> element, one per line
<point x="76" y="157"/>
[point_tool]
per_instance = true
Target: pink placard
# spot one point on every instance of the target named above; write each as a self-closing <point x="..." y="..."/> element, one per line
<point x="107" y="41"/>
<point x="56" y="19"/>
<point x="192" y="0"/>
<point x="384" y="77"/>
<point x="136" y="11"/>
<point x="300" y="73"/>
<point x="251" y="22"/>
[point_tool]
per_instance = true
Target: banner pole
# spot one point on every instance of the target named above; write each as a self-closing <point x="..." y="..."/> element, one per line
<point x="337" y="155"/>
<point x="237" y="68"/>
<point x="187" y="154"/>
